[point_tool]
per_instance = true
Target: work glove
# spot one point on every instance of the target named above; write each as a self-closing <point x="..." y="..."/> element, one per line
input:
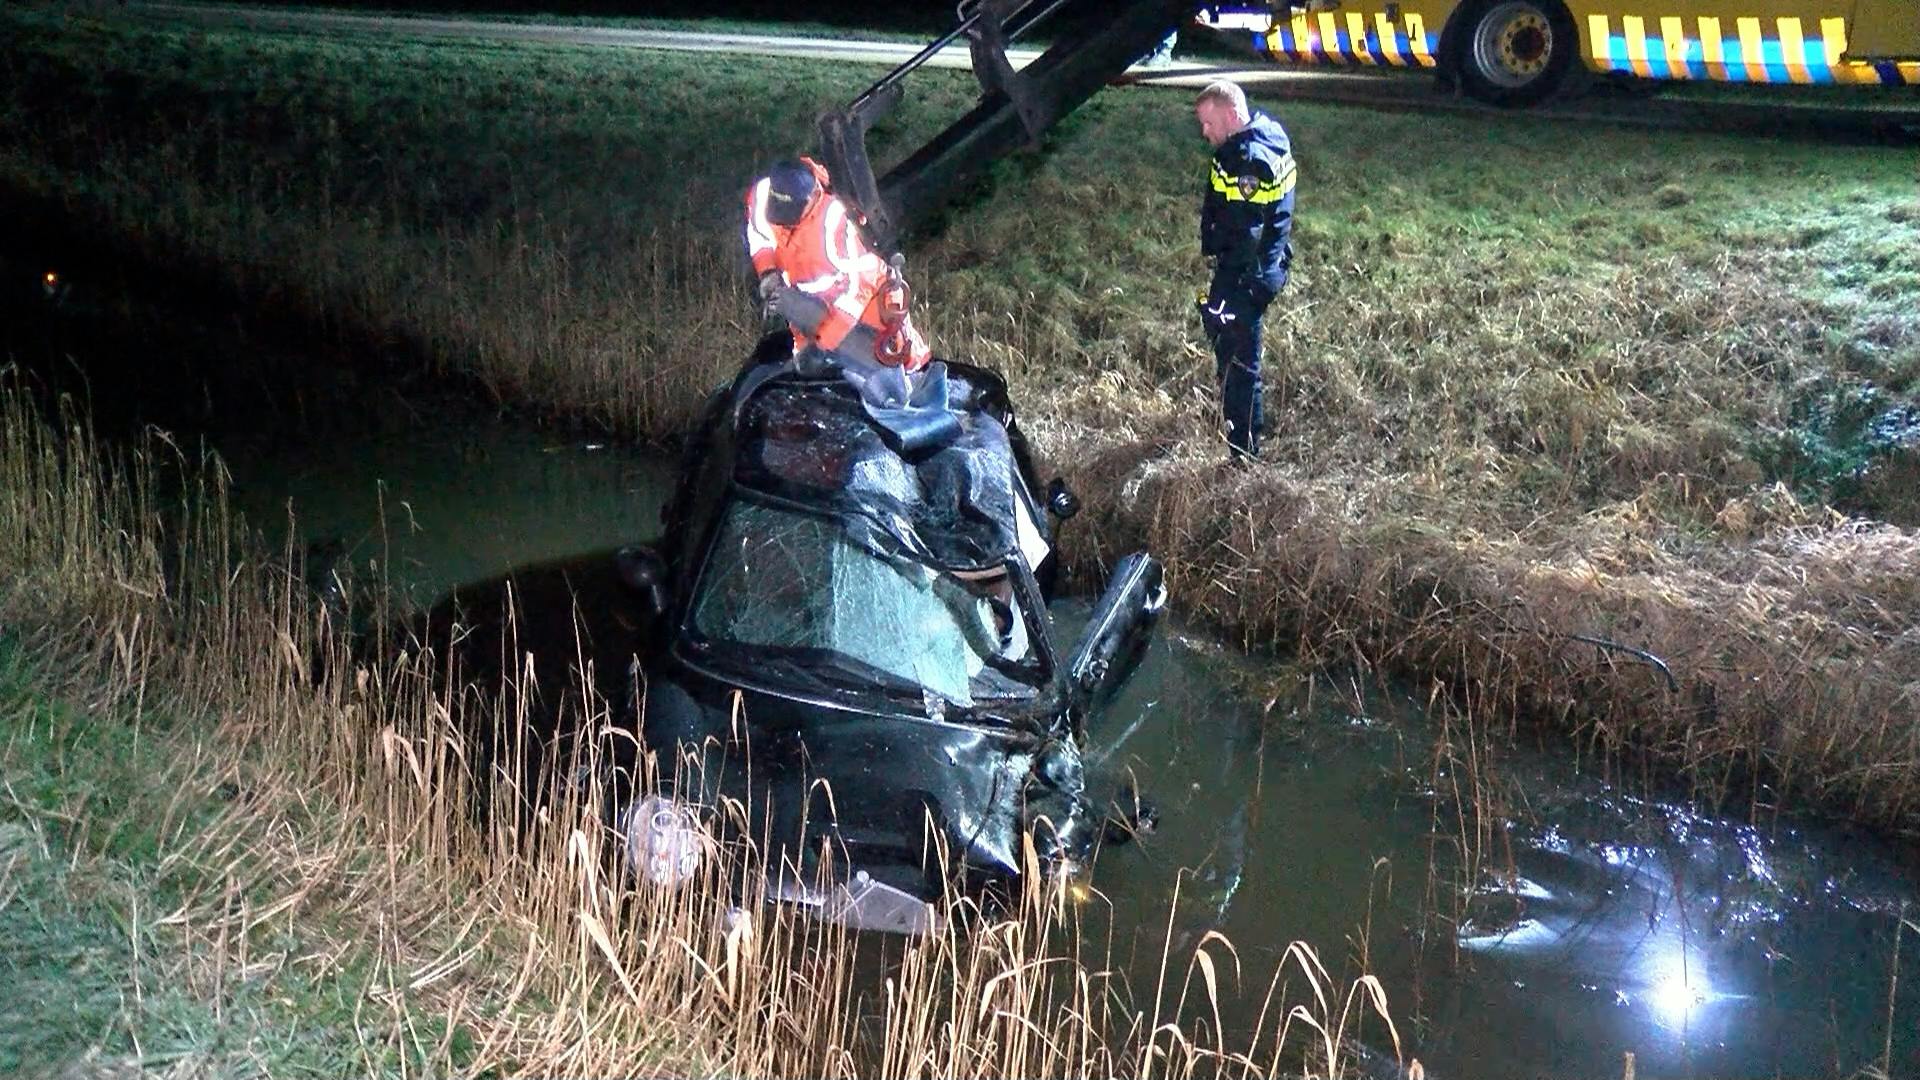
<point x="801" y="312"/>
<point x="771" y="285"/>
<point x="1214" y="313"/>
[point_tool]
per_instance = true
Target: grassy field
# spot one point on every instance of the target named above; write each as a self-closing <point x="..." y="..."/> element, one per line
<point x="1533" y="382"/>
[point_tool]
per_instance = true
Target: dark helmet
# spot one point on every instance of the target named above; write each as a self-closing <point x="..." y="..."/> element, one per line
<point x="790" y="186"/>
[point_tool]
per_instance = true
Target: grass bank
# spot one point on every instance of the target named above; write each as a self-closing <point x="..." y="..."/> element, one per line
<point x="1533" y="383"/>
<point x="232" y="845"/>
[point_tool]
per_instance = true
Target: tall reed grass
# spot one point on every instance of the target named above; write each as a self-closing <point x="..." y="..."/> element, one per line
<point x="342" y="838"/>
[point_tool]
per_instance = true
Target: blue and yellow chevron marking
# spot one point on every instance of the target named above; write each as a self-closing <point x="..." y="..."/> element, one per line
<point x="1327" y="37"/>
<point x="1733" y="49"/>
<point x="1783" y="50"/>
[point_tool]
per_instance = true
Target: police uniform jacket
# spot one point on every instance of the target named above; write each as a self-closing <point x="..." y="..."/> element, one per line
<point x="1246" y="216"/>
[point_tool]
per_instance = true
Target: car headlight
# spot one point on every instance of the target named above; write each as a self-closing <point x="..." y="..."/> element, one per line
<point x="665" y="842"/>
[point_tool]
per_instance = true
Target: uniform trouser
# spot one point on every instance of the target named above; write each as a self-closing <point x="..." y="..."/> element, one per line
<point x="1232" y="316"/>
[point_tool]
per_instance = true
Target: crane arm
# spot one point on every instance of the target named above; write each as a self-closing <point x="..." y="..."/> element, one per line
<point x="1094" y="41"/>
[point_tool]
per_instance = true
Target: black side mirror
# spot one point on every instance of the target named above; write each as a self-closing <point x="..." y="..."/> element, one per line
<point x="1061" y="501"/>
<point x="643" y="570"/>
<point x="1122" y="624"/>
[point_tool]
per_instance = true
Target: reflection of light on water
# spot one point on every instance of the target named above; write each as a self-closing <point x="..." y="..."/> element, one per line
<point x="1524" y="935"/>
<point x="1532" y="890"/>
<point x="1676" y="989"/>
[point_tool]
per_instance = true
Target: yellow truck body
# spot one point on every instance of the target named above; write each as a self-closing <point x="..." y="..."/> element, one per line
<point x="1754" y="41"/>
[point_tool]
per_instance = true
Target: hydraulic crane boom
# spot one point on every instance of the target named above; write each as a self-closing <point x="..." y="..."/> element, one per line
<point x="1095" y="40"/>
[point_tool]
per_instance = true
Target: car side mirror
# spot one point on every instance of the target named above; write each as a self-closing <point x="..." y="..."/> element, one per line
<point x="1061" y="501"/>
<point x="643" y="570"/>
<point x="1122" y="624"/>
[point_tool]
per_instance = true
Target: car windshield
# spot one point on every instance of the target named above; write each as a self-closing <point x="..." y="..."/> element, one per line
<point x="792" y="585"/>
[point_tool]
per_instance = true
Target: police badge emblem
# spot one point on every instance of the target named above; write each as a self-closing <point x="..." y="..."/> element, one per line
<point x="1248" y="185"/>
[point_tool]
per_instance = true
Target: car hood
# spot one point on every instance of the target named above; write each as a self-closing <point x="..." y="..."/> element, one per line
<point x="887" y="791"/>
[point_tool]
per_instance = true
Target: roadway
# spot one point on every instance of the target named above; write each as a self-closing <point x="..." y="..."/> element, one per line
<point x="1588" y="100"/>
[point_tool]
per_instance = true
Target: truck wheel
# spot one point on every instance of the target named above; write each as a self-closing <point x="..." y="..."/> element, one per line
<point x="1515" y="52"/>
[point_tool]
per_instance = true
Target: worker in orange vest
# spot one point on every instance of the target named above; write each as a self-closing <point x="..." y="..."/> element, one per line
<point x="815" y="269"/>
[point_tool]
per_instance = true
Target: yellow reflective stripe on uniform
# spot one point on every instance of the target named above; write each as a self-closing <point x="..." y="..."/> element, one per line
<point x="1226" y="185"/>
<point x="1276" y="189"/>
<point x="1269" y="191"/>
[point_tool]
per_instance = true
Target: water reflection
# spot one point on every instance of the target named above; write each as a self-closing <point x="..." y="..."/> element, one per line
<point x="1602" y="921"/>
<point x="462" y="499"/>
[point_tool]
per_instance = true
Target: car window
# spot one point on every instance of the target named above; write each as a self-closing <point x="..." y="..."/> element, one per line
<point x="792" y="582"/>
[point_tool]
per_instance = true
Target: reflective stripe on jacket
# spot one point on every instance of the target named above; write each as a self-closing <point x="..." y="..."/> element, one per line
<point x="1246" y="213"/>
<point x="823" y="256"/>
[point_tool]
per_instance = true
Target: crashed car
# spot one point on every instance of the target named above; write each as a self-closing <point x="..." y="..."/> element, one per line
<point x="847" y="632"/>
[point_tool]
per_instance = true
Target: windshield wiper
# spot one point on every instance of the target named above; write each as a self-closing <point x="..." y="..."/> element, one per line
<point x="812" y="668"/>
<point x="865" y="674"/>
<point x="785" y="664"/>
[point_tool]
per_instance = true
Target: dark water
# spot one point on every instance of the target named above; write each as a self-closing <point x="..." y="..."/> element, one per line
<point x="1606" y="919"/>
<point x="453" y="496"/>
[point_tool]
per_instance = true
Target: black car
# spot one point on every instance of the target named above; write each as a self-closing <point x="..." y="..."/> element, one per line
<point x="846" y="630"/>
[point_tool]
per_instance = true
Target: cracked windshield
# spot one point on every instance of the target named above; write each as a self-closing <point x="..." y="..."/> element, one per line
<point x="790" y="583"/>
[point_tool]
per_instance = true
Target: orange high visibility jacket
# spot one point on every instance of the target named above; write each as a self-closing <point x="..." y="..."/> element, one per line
<point x="824" y="257"/>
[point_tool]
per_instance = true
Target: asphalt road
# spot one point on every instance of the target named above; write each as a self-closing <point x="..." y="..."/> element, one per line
<point x="1676" y="109"/>
<point x="878" y="53"/>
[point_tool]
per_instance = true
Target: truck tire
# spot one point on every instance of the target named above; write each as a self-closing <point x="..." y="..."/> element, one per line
<point x="1513" y="53"/>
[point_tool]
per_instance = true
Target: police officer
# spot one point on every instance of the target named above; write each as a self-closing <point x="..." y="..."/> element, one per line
<point x="1246" y="218"/>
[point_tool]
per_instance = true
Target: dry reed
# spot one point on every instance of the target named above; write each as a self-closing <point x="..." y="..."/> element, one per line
<point x="344" y="840"/>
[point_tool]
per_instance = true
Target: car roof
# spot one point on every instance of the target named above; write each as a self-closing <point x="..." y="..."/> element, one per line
<point x="809" y="440"/>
